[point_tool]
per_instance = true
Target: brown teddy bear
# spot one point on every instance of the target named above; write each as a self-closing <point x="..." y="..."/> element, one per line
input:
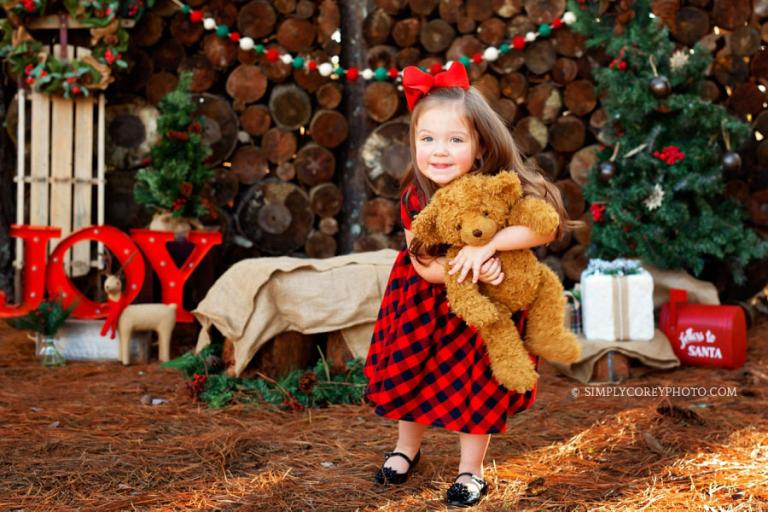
<point x="470" y="211"/>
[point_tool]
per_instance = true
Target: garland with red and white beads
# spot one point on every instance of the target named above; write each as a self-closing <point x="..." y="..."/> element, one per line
<point x="352" y="73"/>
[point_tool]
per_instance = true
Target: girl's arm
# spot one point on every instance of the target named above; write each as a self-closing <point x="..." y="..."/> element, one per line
<point x="433" y="270"/>
<point x="471" y="258"/>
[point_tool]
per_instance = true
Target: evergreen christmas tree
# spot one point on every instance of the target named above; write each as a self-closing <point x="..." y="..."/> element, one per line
<point x="658" y="192"/>
<point x="177" y="172"/>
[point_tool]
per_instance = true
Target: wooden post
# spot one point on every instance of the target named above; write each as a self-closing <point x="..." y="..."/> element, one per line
<point x="612" y="367"/>
<point x="352" y="175"/>
<point x="7" y="192"/>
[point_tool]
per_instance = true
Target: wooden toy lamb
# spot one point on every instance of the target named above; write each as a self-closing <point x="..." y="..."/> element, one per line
<point x="125" y="319"/>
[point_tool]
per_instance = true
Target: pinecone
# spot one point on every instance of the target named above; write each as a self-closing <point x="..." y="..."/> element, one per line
<point x="213" y="363"/>
<point x="307" y="382"/>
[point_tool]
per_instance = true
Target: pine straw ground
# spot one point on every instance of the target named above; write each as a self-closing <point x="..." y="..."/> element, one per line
<point x="80" y="438"/>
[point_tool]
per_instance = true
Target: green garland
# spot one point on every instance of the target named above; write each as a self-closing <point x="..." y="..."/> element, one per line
<point x="300" y="389"/>
<point x="49" y="74"/>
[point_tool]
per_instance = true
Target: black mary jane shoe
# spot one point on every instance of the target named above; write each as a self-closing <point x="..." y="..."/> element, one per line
<point x="389" y="475"/>
<point x="467" y="494"/>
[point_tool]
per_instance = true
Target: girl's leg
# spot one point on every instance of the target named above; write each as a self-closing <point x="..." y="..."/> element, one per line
<point x="473" y="447"/>
<point x="408" y="442"/>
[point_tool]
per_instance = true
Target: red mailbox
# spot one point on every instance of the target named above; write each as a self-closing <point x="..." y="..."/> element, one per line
<point x="704" y="335"/>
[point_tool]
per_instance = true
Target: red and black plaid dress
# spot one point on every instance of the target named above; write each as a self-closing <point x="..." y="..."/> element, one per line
<point x="424" y="363"/>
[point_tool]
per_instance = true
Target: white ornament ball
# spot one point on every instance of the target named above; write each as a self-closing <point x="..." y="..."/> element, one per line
<point x="530" y="37"/>
<point x="569" y="18"/>
<point x="286" y="58"/>
<point x="448" y="64"/>
<point x="209" y="23"/>
<point x="325" y="69"/>
<point x="367" y="74"/>
<point x="491" y="54"/>
<point x="246" y="43"/>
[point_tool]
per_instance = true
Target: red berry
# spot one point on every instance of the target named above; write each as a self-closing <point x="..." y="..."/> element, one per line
<point x="557" y="23"/>
<point x="196" y="16"/>
<point x="435" y="68"/>
<point x="518" y="42"/>
<point x="353" y="73"/>
<point x="234" y="36"/>
<point x="477" y="58"/>
<point x="312" y="65"/>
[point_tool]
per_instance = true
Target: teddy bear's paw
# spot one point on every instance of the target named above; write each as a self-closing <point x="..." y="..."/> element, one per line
<point x="524" y="380"/>
<point x="481" y="317"/>
<point x="562" y="349"/>
<point x="571" y="351"/>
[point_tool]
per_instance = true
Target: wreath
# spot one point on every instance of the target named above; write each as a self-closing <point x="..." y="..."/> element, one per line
<point x="54" y="75"/>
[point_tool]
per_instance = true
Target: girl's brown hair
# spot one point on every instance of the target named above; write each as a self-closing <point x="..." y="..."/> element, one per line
<point x="498" y="152"/>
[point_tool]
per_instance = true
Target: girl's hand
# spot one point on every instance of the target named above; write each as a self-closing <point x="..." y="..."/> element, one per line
<point x="471" y="258"/>
<point x="490" y="272"/>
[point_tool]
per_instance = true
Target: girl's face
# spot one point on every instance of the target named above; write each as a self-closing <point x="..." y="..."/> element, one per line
<point x="445" y="146"/>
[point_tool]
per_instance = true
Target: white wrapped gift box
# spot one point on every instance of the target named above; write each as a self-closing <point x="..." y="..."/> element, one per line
<point x="617" y="301"/>
<point x="80" y="340"/>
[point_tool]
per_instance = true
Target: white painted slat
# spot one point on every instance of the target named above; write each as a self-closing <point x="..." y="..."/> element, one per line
<point x="21" y="173"/>
<point x="83" y="157"/>
<point x="63" y="113"/>
<point x="40" y="159"/>
<point x="101" y="165"/>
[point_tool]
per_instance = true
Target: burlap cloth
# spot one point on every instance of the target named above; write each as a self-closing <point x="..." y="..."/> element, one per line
<point x="656" y="353"/>
<point x="259" y="298"/>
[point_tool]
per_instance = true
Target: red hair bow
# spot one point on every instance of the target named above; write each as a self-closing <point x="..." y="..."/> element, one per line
<point x="417" y="83"/>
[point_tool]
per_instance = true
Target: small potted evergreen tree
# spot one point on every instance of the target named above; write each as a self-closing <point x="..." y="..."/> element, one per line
<point x="45" y="321"/>
<point x="173" y="182"/>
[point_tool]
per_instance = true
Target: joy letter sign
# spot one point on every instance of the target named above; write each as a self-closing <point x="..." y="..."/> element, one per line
<point x="40" y="275"/>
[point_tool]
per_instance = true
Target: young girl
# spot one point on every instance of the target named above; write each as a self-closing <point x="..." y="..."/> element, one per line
<point x="425" y="366"/>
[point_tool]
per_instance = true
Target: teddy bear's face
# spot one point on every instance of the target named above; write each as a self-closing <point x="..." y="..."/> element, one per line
<point x="475" y="223"/>
<point x="469" y="211"/>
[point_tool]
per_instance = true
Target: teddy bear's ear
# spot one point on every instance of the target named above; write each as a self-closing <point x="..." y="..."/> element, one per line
<point x="508" y="184"/>
<point x="424" y="226"/>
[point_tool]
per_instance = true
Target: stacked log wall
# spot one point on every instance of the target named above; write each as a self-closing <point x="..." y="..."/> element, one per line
<point x="282" y="140"/>
<point x="276" y="131"/>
